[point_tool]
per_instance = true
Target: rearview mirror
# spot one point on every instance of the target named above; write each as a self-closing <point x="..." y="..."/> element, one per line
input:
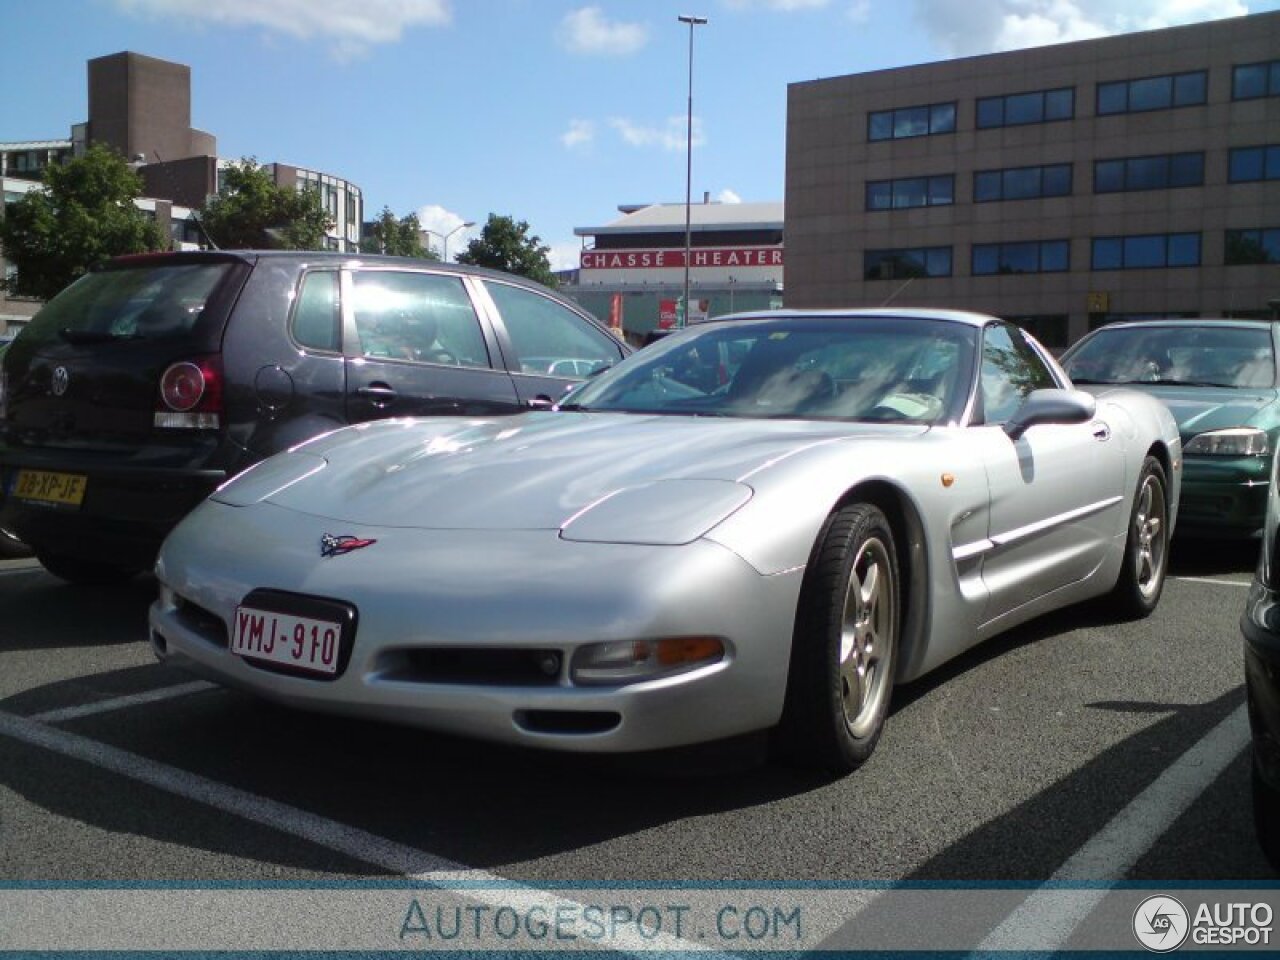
<point x="1051" y="406"/>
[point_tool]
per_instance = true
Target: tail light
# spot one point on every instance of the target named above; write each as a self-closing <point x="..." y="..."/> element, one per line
<point x="191" y="395"/>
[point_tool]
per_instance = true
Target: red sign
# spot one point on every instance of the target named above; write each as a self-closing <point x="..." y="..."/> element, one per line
<point x="662" y="259"/>
<point x="615" y="312"/>
<point x="667" y="314"/>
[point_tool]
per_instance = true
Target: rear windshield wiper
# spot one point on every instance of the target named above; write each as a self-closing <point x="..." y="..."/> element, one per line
<point x="95" y="336"/>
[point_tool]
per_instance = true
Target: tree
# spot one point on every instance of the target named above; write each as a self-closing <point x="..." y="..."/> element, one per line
<point x="504" y="244"/>
<point x="397" y="238"/>
<point x="251" y="211"/>
<point x="84" y="214"/>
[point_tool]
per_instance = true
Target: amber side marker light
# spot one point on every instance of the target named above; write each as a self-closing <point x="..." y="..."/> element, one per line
<point x="632" y="661"/>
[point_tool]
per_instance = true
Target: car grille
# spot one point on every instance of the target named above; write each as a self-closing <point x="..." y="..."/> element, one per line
<point x="512" y="667"/>
<point x="204" y="623"/>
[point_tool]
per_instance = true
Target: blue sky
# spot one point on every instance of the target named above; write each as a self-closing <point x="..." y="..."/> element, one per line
<point x="551" y="111"/>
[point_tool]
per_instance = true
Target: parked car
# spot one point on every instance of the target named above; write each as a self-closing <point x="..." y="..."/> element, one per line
<point x="1219" y="377"/>
<point x="1261" y="627"/>
<point x="861" y="497"/>
<point x="149" y="382"/>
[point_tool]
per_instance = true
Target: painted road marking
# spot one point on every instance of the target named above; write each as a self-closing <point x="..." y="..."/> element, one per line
<point x="408" y="862"/>
<point x="1221" y="583"/>
<point x="121" y="703"/>
<point x="1114" y="849"/>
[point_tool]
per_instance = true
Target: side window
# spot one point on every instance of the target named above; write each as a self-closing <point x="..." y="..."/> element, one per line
<point x="425" y="317"/>
<point x="1010" y="371"/>
<point x="549" y="339"/>
<point x="316" y="319"/>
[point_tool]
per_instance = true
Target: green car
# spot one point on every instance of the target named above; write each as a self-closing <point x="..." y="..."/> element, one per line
<point x="1219" y="379"/>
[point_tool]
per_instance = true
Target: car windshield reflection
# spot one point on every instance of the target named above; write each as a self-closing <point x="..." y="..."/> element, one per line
<point x="813" y="368"/>
<point x="1183" y="355"/>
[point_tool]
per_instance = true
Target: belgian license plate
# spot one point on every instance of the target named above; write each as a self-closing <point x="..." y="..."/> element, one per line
<point x="301" y="642"/>
<point x="64" y="489"/>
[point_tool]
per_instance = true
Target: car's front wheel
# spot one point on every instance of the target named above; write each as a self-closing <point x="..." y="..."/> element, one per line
<point x="1146" y="551"/>
<point x="86" y="572"/>
<point x="1266" y="814"/>
<point x="845" y="646"/>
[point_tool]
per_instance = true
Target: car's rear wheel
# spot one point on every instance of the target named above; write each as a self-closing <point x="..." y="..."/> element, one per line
<point x="88" y="572"/>
<point x="845" y="645"/>
<point x="1146" y="552"/>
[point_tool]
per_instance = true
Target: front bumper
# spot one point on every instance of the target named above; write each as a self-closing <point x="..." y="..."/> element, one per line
<point x="1223" y="497"/>
<point x="485" y="591"/>
<point x="1260" y="625"/>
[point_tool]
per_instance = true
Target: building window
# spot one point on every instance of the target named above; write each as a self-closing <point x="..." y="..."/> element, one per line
<point x="911" y="122"/>
<point x="907" y="263"/>
<point x="911" y="192"/>
<point x="1146" y="252"/>
<point x="1253" y="246"/>
<point x="1043" y="256"/>
<point x="1252" y="80"/>
<point x="1153" y="93"/>
<point x="1254" y="163"/>
<point x="1148" y="173"/>
<point x="1041" y="106"/>
<point x="1022" y="183"/>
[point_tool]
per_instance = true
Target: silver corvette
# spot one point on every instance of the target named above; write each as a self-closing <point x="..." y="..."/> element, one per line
<point x="761" y="523"/>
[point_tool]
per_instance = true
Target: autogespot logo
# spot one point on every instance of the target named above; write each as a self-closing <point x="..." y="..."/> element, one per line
<point x="1160" y="923"/>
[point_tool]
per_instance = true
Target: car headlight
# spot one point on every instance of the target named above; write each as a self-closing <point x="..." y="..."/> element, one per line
<point x="631" y="661"/>
<point x="1234" y="442"/>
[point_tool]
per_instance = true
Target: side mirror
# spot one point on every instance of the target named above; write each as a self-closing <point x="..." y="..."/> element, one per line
<point x="1051" y="406"/>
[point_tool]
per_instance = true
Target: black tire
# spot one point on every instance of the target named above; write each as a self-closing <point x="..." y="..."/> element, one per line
<point x="85" y="572"/>
<point x="1146" y="550"/>
<point x="1266" y="815"/>
<point x="844" y="650"/>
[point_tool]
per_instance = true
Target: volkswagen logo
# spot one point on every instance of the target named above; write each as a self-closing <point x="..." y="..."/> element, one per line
<point x="60" y="380"/>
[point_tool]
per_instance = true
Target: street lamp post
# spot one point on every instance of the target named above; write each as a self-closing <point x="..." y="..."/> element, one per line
<point x="692" y="21"/>
<point x="444" y="238"/>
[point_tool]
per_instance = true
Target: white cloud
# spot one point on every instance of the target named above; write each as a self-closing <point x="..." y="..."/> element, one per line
<point x="580" y="132"/>
<point x="442" y="222"/>
<point x="966" y="27"/>
<point x="587" y="31"/>
<point x="351" y="28"/>
<point x="859" y="11"/>
<point x="782" y="6"/>
<point x="671" y="136"/>
<point x="565" y="256"/>
<point x="728" y="196"/>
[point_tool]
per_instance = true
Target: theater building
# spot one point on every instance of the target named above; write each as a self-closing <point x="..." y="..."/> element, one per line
<point x="632" y="270"/>
<point x="1062" y="187"/>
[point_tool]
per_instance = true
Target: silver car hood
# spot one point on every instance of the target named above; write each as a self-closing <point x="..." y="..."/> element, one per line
<point x="534" y="471"/>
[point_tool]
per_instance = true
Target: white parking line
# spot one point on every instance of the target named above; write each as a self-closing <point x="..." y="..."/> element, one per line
<point x="120" y="703"/>
<point x="1221" y="583"/>
<point x="405" y="861"/>
<point x="1114" y="849"/>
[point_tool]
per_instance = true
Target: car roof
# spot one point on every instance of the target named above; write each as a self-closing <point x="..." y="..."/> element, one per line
<point x="330" y="257"/>
<point x="967" y="317"/>
<point x="1186" y="322"/>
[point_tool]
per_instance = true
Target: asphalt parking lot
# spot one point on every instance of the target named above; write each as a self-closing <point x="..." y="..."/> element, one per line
<point x="1073" y="748"/>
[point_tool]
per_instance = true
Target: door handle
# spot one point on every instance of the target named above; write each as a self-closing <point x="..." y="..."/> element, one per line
<point x="542" y="402"/>
<point x="379" y="393"/>
<point x="1101" y="431"/>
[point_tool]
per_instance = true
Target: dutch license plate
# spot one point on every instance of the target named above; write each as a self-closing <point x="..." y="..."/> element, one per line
<point x="301" y="642"/>
<point x="66" y="489"/>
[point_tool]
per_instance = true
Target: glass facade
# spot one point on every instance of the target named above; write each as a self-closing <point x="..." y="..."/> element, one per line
<point x="911" y="192"/>
<point x="1022" y="183"/>
<point x="1036" y="256"/>
<point x="1252" y="246"/>
<point x="1153" y="93"/>
<point x="1015" y="109"/>
<point x="1148" y="173"/>
<point x="1254" y="163"/>
<point x="907" y="263"/>
<point x="912" y="122"/>
<point x="1252" y="80"/>
<point x="1145" y="252"/>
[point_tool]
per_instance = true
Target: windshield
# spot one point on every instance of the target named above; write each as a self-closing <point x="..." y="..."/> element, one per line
<point x="1189" y="355"/>
<point x="149" y="301"/>
<point x="812" y="368"/>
